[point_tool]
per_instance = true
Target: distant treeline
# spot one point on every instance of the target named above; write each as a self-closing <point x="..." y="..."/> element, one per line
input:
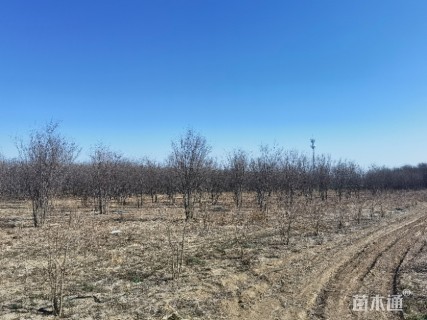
<point x="125" y="178"/>
<point x="47" y="167"/>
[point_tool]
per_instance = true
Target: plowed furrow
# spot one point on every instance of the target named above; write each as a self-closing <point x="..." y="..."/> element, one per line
<point x="373" y="272"/>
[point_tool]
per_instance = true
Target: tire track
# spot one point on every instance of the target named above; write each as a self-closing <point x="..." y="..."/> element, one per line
<point x="323" y="288"/>
<point x="307" y="298"/>
<point x="375" y="271"/>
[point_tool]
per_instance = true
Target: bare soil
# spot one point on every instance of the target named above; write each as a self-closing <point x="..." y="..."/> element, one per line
<point x="235" y="264"/>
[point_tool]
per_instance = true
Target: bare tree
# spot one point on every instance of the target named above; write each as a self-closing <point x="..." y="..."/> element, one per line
<point x="237" y="167"/>
<point x="104" y="170"/>
<point x="12" y="180"/>
<point x="376" y="179"/>
<point x="322" y="173"/>
<point x="151" y="173"/>
<point x="45" y="159"/>
<point x="289" y="178"/>
<point x="264" y="171"/>
<point x="139" y="183"/>
<point x="122" y="182"/>
<point x="169" y="182"/>
<point x="215" y="182"/>
<point x="189" y="158"/>
<point x="79" y="182"/>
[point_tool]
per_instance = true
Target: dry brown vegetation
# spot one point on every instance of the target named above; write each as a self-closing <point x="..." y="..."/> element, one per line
<point x="299" y="260"/>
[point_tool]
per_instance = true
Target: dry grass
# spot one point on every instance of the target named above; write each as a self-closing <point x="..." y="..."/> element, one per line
<point x="229" y="257"/>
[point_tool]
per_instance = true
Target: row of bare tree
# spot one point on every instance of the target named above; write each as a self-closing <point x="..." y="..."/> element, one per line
<point x="46" y="168"/>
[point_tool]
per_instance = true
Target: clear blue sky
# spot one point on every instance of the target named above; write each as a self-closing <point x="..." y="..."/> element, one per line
<point x="136" y="74"/>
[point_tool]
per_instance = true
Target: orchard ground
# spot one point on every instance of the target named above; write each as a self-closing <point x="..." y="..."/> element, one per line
<point x="304" y="262"/>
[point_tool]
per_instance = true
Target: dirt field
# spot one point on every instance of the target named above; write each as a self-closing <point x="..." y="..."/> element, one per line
<point x="126" y="264"/>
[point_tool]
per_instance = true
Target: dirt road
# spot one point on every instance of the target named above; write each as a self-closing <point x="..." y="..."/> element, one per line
<point x="320" y="283"/>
